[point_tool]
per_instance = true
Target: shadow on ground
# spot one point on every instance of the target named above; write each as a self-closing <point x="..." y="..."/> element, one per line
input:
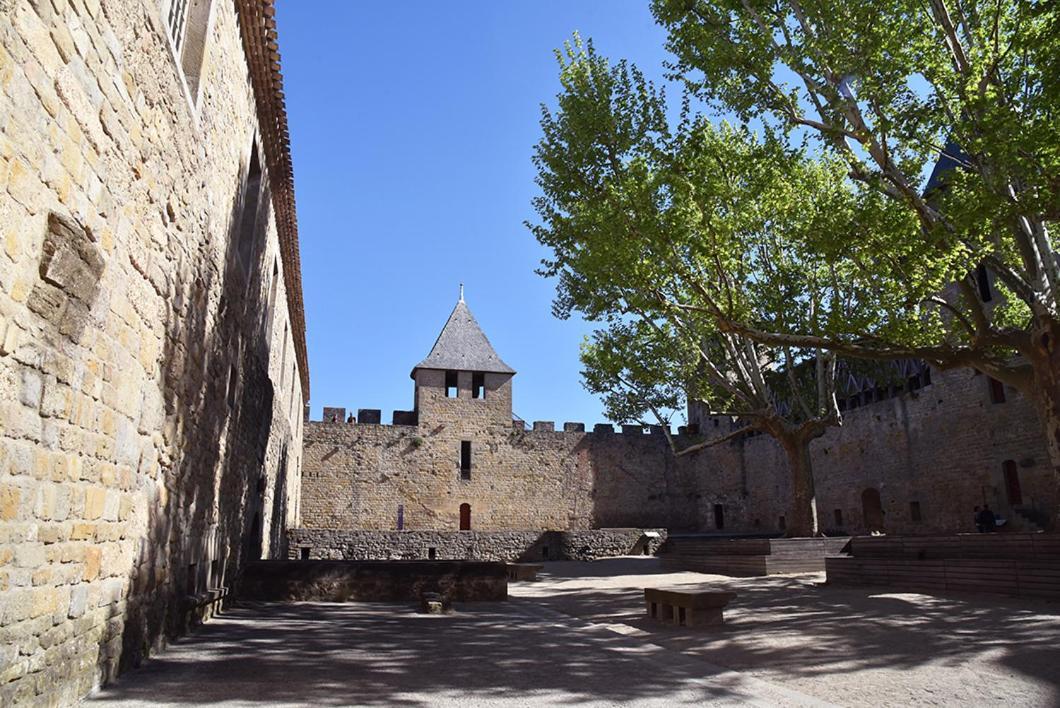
<point x="579" y="635"/>
<point x="795" y="627"/>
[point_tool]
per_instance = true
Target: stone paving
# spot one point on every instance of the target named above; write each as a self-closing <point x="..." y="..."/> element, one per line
<point x="578" y="636"/>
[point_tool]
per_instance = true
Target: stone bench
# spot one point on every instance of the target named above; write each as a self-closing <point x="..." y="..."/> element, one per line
<point x="691" y="607"/>
<point x="523" y="571"/>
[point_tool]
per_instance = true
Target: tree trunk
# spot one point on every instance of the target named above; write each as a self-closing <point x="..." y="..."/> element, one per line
<point x="803" y="521"/>
<point x="1045" y="360"/>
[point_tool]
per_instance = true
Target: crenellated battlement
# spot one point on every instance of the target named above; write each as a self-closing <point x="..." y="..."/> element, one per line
<point x="335" y="415"/>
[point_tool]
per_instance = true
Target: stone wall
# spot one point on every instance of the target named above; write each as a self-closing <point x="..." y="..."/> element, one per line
<point x="942" y="447"/>
<point x="330" y="544"/>
<point x="368" y="581"/>
<point x="364" y="476"/>
<point x="151" y="392"/>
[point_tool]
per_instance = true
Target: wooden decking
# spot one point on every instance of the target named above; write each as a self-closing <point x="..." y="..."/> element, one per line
<point x="749" y="556"/>
<point x="1023" y="565"/>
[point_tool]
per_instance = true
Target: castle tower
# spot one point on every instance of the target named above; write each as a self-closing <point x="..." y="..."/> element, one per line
<point x="463" y="379"/>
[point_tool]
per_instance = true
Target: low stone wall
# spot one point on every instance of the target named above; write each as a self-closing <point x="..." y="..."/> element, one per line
<point x="334" y="544"/>
<point x="372" y="581"/>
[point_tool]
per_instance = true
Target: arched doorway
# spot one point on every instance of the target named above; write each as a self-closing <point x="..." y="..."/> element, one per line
<point x="465" y="517"/>
<point x="872" y="509"/>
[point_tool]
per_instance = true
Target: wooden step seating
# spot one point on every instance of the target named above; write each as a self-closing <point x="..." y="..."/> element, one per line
<point x="1022" y="565"/>
<point x="687" y="606"/>
<point x="749" y="556"/>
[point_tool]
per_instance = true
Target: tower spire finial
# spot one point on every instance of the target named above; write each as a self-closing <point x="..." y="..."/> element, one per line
<point x="461" y="292"/>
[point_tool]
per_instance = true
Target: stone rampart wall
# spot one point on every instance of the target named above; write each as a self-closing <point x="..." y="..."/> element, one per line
<point x="150" y="434"/>
<point x="936" y="452"/>
<point x="366" y="476"/>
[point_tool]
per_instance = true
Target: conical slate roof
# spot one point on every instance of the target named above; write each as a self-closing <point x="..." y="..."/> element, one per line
<point x="462" y="345"/>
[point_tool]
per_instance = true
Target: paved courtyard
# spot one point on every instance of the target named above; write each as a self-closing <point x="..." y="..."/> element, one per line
<point x="578" y="636"/>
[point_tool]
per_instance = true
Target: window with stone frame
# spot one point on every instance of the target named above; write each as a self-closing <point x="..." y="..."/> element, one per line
<point x="249" y="234"/>
<point x="187" y="25"/>
<point x="478" y="385"/>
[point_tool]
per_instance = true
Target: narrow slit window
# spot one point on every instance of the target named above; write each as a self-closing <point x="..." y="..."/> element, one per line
<point x="783" y="524"/>
<point x="465" y="459"/>
<point x="839" y="518"/>
<point x="192" y="582"/>
<point x="982" y="279"/>
<point x="1012" y="482"/>
<point x="914" y="511"/>
<point x="401" y="517"/>
<point x="478" y="385"/>
<point x="719" y="516"/>
<point x="450" y="384"/>
<point x="997" y="390"/>
<point x="232" y="381"/>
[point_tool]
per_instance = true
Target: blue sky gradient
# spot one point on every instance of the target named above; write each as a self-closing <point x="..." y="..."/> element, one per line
<point x="412" y="128"/>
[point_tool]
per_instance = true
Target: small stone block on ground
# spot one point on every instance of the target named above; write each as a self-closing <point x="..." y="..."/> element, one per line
<point x="435" y="603"/>
<point x="687" y="607"/>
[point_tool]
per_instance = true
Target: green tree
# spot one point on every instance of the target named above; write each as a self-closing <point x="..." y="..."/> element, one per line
<point x="887" y="88"/>
<point x="649" y="226"/>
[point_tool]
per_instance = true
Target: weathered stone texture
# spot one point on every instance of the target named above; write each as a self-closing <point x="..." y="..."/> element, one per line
<point x="149" y="429"/>
<point x="332" y="544"/>
<point x="356" y="476"/>
<point x="942" y="446"/>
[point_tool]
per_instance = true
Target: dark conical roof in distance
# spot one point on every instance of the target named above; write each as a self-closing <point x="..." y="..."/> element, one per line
<point x="463" y="346"/>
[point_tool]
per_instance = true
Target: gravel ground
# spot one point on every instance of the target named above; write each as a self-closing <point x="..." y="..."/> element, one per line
<point x="579" y="636"/>
<point x="855" y="646"/>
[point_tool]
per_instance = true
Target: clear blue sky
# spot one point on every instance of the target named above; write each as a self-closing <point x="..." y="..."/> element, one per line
<point x="412" y="128"/>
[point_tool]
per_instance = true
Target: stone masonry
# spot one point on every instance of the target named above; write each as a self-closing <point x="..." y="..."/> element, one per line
<point x="152" y="345"/>
<point x="929" y="455"/>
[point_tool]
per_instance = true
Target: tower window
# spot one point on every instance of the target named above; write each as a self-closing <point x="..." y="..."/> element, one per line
<point x="450" y="384"/>
<point x="839" y="518"/>
<point x="719" y="516"/>
<point x="401" y="517"/>
<point x="465" y="459"/>
<point x="478" y="385"/>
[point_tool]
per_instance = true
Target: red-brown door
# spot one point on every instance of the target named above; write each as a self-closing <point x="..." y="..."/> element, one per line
<point x="465" y="517"/>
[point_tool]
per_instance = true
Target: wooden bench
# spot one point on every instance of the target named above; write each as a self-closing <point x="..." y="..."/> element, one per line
<point x="691" y="607"/>
<point x="523" y="571"/>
